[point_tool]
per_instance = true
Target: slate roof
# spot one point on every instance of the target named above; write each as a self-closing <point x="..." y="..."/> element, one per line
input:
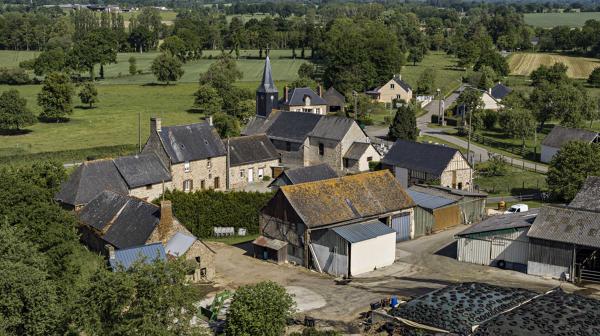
<point x="90" y="179"/>
<point x="499" y="91"/>
<point x="502" y="222"/>
<point x="124" y="221"/>
<point x="331" y="127"/>
<point x="296" y="97"/>
<point x="418" y="156"/>
<point x="143" y="169"/>
<point x="310" y="174"/>
<point x="567" y="225"/>
<point x="347" y="198"/>
<point x="356" y="150"/>
<point x="267" y="84"/>
<point x="358" y="232"/>
<point x="561" y="135"/>
<point x="334" y="98"/>
<point x="179" y="244"/>
<point x="588" y="196"/>
<point x="402" y="83"/>
<point x="191" y="142"/>
<point x="251" y="149"/>
<point x="147" y="254"/>
<point x="292" y="126"/>
<point x="428" y="201"/>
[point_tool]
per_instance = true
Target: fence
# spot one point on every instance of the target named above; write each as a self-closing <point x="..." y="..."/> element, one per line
<point x="525" y="152"/>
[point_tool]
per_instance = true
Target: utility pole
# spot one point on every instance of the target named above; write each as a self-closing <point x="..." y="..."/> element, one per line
<point x="139" y="132"/>
<point x="440" y="117"/>
<point x="355" y="94"/>
<point x="227" y="160"/>
<point x="469" y="160"/>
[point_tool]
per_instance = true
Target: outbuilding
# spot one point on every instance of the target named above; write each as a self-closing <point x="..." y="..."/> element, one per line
<point x="559" y="136"/>
<point x="433" y="213"/>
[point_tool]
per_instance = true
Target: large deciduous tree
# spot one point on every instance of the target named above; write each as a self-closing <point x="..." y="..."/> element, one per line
<point x="226" y="125"/>
<point x="14" y="113"/>
<point x="260" y="309"/>
<point x="207" y="100"/>
<point x="404" y="125"/>
<point x="49" y="61"/>
<point x="426" y="82"/>
<point x="167" y="68"/>
<point x="471" y="103"/>
<point x="56" y="97"/>
<point x="518" y="123"/>
<point x="569" y="168"/>
<point x="96" y="47"/>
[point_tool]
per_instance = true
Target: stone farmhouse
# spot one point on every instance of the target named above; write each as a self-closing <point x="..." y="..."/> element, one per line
<point x="394" y="89"/>
<point x="251" y="159"/>
<point x="195" y="155"/>
<point x="112" y="221"/>
<point x="416" y="163"/>
<point x="143" y="176"/>
<point x="559" y="136"/>
<point x="343" y="226"/>
<point x="304" y="100"/>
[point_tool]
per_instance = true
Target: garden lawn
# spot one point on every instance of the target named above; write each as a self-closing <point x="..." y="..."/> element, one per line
<point x="515" y="182"/>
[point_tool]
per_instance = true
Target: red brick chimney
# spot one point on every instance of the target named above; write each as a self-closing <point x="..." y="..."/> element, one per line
<point x="165" y="224"/>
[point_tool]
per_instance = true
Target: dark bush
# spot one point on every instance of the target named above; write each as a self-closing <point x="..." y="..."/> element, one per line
<point x="15" y="76"/>
<point x="202" y="210"/>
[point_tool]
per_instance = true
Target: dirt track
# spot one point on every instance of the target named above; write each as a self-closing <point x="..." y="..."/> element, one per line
<point x="524" y="63"/>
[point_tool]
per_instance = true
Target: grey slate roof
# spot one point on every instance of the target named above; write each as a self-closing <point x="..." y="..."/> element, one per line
<point x="331" y="127"/>
<point x="310" y="173"/>
<point x="296" y="97"/>
<point x="292" y="126"/>
<point x="355" y="233"/>
<point x="251" y="149"/>
<point x="267" y="84"/>
<point x="418" y="156"/>
<point x="191" y="142"/>
<point x="334" y="98"/>
<point x="567" y="225"/>
<point x="402" y="83"/>
<point x="356" y="150"/>
<point x="561" y="135"/>
<point x="143" y="169"/>
<point x="146" y="253"/>
<point x="499" y="91"/>
<point x="428" y="201"/>
<point x="90" y="179"/>
<point x="179" y="244"/>
<point x="588" y="196"/>
<point x="502" y="222"/>
<point x="130" y="220"/>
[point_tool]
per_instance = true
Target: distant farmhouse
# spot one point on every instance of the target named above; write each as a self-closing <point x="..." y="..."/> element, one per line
<point x="492" y="98"/>
<point x="414" y="163"/>
<point x="112" y="221"/>
<point x="394" y="89"/>
<point x="304" y="100"/>
<point x="559" y="136"/>
<point x="343" y="226"/>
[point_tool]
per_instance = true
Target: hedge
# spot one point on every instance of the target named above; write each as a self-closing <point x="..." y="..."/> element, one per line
<point x="200" y="211"/>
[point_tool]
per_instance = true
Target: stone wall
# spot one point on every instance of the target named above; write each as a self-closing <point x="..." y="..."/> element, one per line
<point x="332" y="154"/>
<point x="460" y="168"/>
<point x="237" y="180"/>
<point x="201" y="171"/>
<point x="151" y="192"/>
<point x="203" y="259"/>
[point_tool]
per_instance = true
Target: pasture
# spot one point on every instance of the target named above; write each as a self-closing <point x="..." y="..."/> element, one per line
<point x="522" y="64"/>
<point x="549" y="20"/>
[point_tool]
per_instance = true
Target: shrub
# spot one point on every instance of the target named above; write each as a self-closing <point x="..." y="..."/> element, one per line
<point x="202" y="210"/>
<point x="489" y="119"/>
<point x="14" y="76"/>
<point x="495" y="166"/>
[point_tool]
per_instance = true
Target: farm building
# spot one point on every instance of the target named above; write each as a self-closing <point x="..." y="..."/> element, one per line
<point x="433" y="212"/>
<point x="126" y="258"/>
<point x="497" y="241"/>
<point x="559" y="136"/>
<point x="470" y="203"/>
<point x="343" y="226"/>
<point x="303" y="175"/>
<point x="336" y="102"/>
<point x="414" y="162"/>
<point x="588" y="196"/>
<point x="564" y="243"/>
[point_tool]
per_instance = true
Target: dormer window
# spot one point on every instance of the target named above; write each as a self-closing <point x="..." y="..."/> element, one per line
<point x="306" y="100"/>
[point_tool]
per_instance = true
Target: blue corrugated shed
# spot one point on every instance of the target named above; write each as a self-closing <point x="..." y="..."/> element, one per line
<point x="146" y="253"/>
<point x="363" y="231"/>
<point x="429" y="201"/>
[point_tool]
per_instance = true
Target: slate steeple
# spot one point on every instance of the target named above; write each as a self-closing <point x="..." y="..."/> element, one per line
<point x="267" y="94"/>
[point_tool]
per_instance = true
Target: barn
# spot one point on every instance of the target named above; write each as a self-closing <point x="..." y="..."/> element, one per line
<point x="433" y="212"/>
<point x="498" y="241"/>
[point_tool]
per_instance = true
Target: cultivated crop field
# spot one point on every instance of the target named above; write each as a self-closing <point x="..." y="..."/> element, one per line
<point x="549" y="20"/>
<point x="522" y="64"/>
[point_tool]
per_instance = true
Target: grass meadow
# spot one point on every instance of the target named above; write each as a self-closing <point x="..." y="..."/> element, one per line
<point x="549" y="20"/>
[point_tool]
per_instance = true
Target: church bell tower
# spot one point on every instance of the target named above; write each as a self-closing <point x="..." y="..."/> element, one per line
<point x="267" y="95"/>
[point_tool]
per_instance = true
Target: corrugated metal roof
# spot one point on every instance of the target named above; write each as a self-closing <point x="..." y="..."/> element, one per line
<point x="561" y="135"/>
<point x="146" y="253"/>
<point x="567" y="225"/>
<point x="179" y="244"/>
<point x="588" y="196"/>
<point x="502" y="222"/>
<point x="274" y="244"/>
<point x="428" y="201"/>
<point x="355" y="233"/>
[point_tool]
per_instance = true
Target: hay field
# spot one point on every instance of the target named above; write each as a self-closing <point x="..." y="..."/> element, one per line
<point x="549" y="20"/>
<point x="522" y="64"/>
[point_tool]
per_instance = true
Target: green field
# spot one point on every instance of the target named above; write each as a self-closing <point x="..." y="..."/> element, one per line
<point x="447" y="78"/>
<point x="549" y="20"/>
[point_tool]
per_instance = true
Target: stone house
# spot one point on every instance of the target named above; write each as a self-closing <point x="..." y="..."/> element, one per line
<point x="343" y="226"/>
<point x="336" y="102"/>
<point x="143" y="176"/>
<point x="415" y="163"/>
<point x="303" y="175"/>
<point x="394" y="89"/>
<point x="559" y="136"/>
<point x="113" y="221"/>
<point x="251" y="159"/>
<point x="195" y="155"/>
<point x="304" y="100"/>
<point x="306" y="139"/>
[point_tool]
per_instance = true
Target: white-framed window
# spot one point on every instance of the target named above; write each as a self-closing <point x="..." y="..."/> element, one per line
<point x="369" y="158"/>
<point x="318" y="110"/>
<point x="188" y="185"/>
<point x="208" y="163"/>
<point x="261" y="173"/>
<point x="186" y="167"/>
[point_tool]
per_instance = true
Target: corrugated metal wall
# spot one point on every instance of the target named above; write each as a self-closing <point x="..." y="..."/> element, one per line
<point x="326" y="237"/>
<point x="330" y="262"/>
<point x="423" y="222"/>
<point x="489" y="247"/>
<point x="474" y="251"/>
<point x="548" y="258"/>
<point x="473" y="209"/>
<point x="446" y="217"/>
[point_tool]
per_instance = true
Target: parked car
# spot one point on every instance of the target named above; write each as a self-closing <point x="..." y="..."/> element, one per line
<point x="517" y="208"/>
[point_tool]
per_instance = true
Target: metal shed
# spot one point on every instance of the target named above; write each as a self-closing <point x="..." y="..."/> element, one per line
<point x="434" y="213"/>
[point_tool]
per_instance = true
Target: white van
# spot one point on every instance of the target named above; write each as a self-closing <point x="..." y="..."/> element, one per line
<point x="517" y="208"/>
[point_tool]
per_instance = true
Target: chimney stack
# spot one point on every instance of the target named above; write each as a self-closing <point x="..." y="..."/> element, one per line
<point x="111" y="251"/>
<point x="285" y="94"/>
<point x="166" y="220"/>
<point x="319" y="90"/>
<point x="155" y="124"/>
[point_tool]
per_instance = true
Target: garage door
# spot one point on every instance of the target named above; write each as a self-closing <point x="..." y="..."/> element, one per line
<point x="401" y="225"/>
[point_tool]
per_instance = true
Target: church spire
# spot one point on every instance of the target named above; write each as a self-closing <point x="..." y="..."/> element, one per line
<point x="267" y="84"/>
<point x="267" y="95"/>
